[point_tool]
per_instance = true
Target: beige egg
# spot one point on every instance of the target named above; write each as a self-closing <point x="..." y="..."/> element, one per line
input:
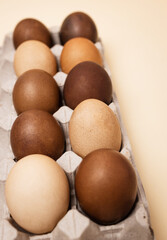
<point x="33" y="54"/>
<point x="78" y="50"/>
<point x="93" y="125"/>
<point x="37" y="193"/>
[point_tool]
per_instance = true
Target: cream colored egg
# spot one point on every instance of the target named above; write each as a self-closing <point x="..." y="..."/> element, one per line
<point x="33" y="54"/>
<point x="37" y="193"/>
<point x="78" y="50"/>
<point x="93" y="125"/>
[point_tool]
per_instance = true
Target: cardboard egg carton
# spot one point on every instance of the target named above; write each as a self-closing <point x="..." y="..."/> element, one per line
<point x="75" y="225"/>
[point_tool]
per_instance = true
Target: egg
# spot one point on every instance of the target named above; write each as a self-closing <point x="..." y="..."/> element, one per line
<point x="93" y="125"/>
<point x="78" y="50"/>
<point x="36" y="89"/>
<point x="37" y="132"/>
<point x="31" y="29"/>
<point x="33" y="54"/>
<point x="78" y="24"/>
<point x="106" y="186"/>
<point x="37" y="193"/>
<point x="87" y="80"/>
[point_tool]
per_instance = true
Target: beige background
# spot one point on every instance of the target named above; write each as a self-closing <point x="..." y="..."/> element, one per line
<point x="134" y="34"/>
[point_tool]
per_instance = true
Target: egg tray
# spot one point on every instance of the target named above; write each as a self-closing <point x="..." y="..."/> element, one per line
<point x="75" y="225"/>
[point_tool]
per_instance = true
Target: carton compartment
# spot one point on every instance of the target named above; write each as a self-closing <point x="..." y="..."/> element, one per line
<point x="75" y="225"/>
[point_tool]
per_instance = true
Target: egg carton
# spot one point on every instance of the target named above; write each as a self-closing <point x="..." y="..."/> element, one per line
<point x="75" y="225"/>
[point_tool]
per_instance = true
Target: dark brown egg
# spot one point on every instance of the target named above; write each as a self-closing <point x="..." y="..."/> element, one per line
<point x="31" y="29"/>
<point x="87" y="80"/>
<point x="106" y="186"/>
<point x="37" y="132"/>
<point x="78" y="24"/>
<point x="36" y="89"/>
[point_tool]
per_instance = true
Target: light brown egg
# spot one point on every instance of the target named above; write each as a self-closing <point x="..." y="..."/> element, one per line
<point x="37" y="193"/>
<point x="78" y="50"/>
<point x="33" y="54"/>
<point x="93" y="125"/>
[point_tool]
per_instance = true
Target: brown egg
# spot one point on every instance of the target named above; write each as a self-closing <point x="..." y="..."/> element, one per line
<point x="37" y="193"/>
<point x="37" y="132"/>
<point x="87" y="80"/>
<point x="78" y="50"/>
<point x="78" y="24"/>
<point x="36" y="89"/>
<point x="93" y="125"/>
<point x="31" y="29"/>
<point x="106" y="186"/>
<point x="33" y="54"/>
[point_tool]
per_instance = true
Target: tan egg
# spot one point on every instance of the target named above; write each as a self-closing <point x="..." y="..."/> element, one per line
<point x="37" y="193"/>
<point x="78" y="50"/>
<point x="33" y="54"/>
<point x="93" y="125"/>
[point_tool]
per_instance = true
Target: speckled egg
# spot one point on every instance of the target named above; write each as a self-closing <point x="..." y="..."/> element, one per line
<point x="94" y="125"/>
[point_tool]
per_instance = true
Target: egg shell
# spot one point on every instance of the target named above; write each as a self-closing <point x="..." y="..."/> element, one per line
<point x="93" y="125"/>
<point x="78" y="24"/>
<point x="37" y="193"/>
<point x="78" y="50"/>
<point x="31" y="29"/>
<point x="106" y="186"/>
<point x="37" y="132"/>
<point x="36" y="89"/>
<point x="87" y="80"/>
<point x="33" y="54"/>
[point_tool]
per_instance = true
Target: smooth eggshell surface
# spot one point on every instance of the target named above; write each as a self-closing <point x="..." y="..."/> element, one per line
<point x="37" y="193"/>
<point x="78" y="24"/>
<point x="37" y="132"/>
<point x="87" y="80"/>
<point x="93" y="125"/>
<point x="33" y="54"/>
<point x="106" y="186"/>
<point x="36" y="89"/>
<point x="31" y="29"/>
<point x="78" y="50"/>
